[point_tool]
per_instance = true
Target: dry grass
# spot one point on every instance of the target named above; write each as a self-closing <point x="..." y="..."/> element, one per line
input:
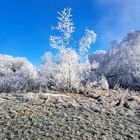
<point x="95" y="114"/>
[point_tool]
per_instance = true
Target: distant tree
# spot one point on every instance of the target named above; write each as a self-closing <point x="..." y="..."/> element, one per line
<point x="97" y="56"/>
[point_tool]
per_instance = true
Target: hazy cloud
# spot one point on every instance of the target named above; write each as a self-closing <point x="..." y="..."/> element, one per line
<point x="118" y="18"/>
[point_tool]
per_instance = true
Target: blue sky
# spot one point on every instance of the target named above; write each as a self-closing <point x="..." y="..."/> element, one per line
<point x="25" y="25"/>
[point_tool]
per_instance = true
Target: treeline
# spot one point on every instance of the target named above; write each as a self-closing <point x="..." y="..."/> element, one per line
<point x="71" y="70"/>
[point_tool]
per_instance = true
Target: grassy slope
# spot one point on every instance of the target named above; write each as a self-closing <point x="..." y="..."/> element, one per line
<point x="65" y="117"/>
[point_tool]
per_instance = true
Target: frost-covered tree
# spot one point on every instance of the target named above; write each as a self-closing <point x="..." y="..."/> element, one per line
<point x="68" y="66"/>
<point x="66" y="27"/>
<point x="47" y="72"/>
<point x="66" y="57"/>
<point x="86" y="67"/>
<point x="121" y="64"/>
<point x="63" y="74"/>
<point x="16" y="74"/>
<point x="97" y="56"/>
<point x="66" y="70"/>
<point x="47" y="58"/>
<point x="85" y="43"/>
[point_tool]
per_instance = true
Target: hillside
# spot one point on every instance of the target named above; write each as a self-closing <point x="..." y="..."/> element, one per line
<point x="97" y="114"/>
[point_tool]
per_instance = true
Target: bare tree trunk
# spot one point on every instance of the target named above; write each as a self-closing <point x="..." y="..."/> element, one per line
<point x="46" y="89"/>
<point x="40" y="88"/>
<point x="25" y="89"/>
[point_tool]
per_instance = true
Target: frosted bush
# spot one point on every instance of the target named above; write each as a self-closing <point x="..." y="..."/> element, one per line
<point x="16" y="74"/>
<point x="103" y="83"/>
